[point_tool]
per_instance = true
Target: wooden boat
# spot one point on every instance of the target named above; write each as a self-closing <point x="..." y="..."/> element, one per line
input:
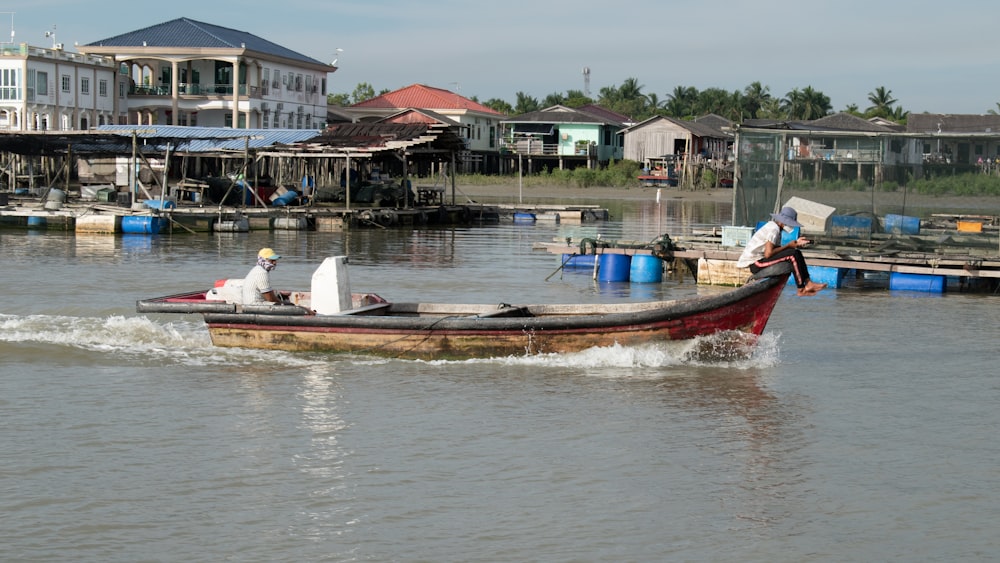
<point x="372" y="325"/>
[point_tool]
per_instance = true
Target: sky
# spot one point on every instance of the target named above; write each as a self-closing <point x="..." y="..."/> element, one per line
<point x="932" y="57"/>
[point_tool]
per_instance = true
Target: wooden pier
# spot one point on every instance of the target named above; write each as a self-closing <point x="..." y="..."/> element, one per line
<point x="970" y="258"/>
<point x="91" y="216"/>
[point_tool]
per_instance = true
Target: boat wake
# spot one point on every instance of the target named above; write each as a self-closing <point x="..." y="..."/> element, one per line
<point x="145" y="340"/>
<point x="188" y="343"/>
<point x="726" y="349"/>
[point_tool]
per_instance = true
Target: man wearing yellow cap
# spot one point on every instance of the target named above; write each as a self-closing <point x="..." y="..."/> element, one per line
<point x="257" y="285"/>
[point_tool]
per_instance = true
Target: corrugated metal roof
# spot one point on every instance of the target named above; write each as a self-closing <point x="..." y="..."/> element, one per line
<point x="214" y="139"/>
<point x="188" y="33"/>
<point x="374" y="137"/>
<point x="698" y="129"/>
<point x="338" y="138"/>
<point x="423" y="97"/>
<point x="561" y="114"/>
<point x="952" y="123"/>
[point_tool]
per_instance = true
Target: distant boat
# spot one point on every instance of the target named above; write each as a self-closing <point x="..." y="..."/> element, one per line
<point x="417" y="330"/>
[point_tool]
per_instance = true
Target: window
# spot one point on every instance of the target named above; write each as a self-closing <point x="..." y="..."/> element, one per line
<point x="9" y="79"/>
<point x="265" y="83"/>
<point x="85" y="86"/>
<point x="64" y="80"/>
<point x="102" y="88"/>
<point x="31" y="85"/>
<point x="223" y="74"/>
<point x="41" y="83"/>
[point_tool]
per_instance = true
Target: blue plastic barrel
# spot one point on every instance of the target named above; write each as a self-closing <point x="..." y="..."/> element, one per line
<point x="37" y="222"/>
<point x="902" y="225"/>
<point x="646" y="268"/>
<point x="159" y="204"/>
<point x="142" y="224"/>
<point x="850" y="226"/>
<point x="285" y="199"/>
<point x="524" y="218"/>
<point x="578" y="260"/>
<point x="916" y="282"/>
<point x="614" y="267"/>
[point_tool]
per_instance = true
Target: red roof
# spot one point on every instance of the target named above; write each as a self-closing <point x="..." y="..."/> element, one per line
<point x="423" y="97"/>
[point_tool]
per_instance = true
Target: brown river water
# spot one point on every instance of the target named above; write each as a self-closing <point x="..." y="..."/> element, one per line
<point x="864" y="428"/>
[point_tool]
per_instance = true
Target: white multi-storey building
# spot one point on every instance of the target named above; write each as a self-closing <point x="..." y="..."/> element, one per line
<point x="181" y="72"/>
<point x="55" y="90"/>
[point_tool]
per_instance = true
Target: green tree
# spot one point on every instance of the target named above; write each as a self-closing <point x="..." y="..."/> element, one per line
<point x="342" y="99"/>
<point x="806" y="104"/>
<point x="771" y="109"/>
<point x="499" y="105"/>
<point x="576" y="98"/>
<point x="881" y="100"/>
<point x="626" y="99"/>
<point x="525" y="104"/>
<point x="754" y="97"/>
<point x="653" y="105"/>
<point x="554" y="99"/>
<point x="363" y="91"/>
<point x="680" y="102"/>
<point x="994" y="111"/>
<point x="899" y="115"/>
<point x="717" y="101"/>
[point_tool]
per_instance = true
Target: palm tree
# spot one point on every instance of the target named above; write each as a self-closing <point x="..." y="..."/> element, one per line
<point x="899" y="116"/>
<point x="680" y="102"/>
<point x="852" y="109"/>
<point x="626" y="99"/>
<point x="576" y="98"/>
<point x="994" y="111"/>
<point x="806" y="104"/>
<point x="499" y="105"/>
<point x="525" y="103"/>
<point x="771" y="109"/>
<point x="713" y="100"/>
<point x="754" y="97"/>
<point x="882" y="101"/>
<point x="653" y="103"/>
<point x="554" y="99"/>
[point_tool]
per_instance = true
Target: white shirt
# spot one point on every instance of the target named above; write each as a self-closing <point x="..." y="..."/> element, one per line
<point x="754" y="250"/>
<point x="257" y="282"/>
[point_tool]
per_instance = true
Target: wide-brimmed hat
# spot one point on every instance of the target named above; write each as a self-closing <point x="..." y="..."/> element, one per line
<point x="268" y="254"/>
<point x="787" y="217"/>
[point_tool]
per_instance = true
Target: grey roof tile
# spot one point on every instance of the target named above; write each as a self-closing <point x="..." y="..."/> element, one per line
<point x="188" y="33"/>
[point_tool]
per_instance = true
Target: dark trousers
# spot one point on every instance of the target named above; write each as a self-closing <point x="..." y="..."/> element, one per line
<point x="791" y="255"/>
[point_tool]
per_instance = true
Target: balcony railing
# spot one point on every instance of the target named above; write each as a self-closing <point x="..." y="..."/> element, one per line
<point x="195" y="90"/>
<point x="538" y="148"/>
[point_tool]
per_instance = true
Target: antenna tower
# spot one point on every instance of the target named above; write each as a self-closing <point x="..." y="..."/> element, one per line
<point x="586" y="81"/>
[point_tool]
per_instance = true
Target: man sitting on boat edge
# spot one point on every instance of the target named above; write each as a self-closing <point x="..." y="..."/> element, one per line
<point x="765" y="249"/>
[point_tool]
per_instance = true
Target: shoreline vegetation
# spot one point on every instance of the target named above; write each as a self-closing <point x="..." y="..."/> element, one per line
<point x="500" y="189"/>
